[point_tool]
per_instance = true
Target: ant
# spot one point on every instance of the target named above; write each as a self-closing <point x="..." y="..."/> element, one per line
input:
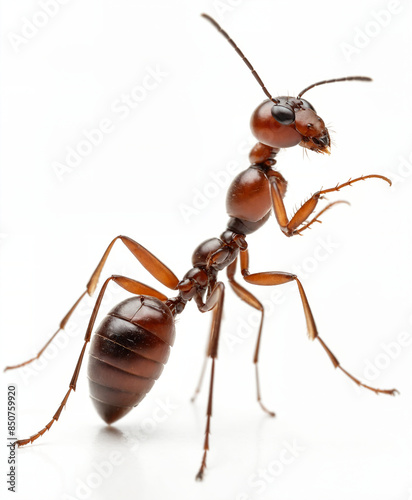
<point x="130" y="347"/>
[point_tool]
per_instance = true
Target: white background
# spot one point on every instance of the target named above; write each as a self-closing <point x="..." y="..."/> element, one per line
<point x="65" y="79"/>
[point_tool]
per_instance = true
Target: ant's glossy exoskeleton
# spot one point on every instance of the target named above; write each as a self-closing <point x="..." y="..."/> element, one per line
<point x="132" y="344"/>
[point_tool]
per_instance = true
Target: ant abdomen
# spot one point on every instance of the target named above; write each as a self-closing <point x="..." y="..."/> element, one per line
<point x="128" y="353"/>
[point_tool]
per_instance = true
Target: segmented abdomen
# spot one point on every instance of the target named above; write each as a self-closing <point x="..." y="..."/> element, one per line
<point x="127" y="354"/>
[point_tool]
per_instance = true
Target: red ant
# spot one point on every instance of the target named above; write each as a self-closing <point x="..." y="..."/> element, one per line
<point x="132" y="344"/>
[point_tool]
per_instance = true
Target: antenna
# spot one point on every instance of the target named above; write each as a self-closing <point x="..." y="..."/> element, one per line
<point x="242" y="55"/>
<point x="344" y="79"/>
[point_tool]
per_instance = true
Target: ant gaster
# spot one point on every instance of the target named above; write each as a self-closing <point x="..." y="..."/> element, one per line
<point x="132" y="344"/>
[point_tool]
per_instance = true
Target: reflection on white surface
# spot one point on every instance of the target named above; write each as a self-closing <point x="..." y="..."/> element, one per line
<point x="329" y="443"/>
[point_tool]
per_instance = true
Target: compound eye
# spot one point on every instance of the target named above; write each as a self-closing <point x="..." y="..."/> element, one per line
<point x="307" y="104"/>
<point x="283" y="114"/>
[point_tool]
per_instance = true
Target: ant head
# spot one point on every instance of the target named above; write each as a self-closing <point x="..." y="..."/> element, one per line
<point x="284" y="122"/>
<point x="287" y="121"/>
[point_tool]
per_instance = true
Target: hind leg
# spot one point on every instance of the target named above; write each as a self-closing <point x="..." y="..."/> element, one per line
<point x="128" y="284"/>
<point x="155" y="267"/>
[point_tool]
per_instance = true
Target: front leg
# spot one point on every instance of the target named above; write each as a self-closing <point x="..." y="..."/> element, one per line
<point x="290" y="226"/>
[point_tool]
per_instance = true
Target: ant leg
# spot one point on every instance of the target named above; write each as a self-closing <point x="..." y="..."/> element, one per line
<point x="151" y="263"/>
<point x="316" y="218"/>
<point x="213" y="302"/>
<point x="289" y="226"/>
<point x="128" y="284"/>
<point x="61" y="327"/>
<point x="155" y="267"/>
<point x="250" y="299"/>
<point x="279" y="278"/>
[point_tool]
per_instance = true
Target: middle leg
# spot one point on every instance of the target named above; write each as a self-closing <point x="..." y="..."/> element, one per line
<point x="279" y="278"/>
<point x="214" y="302"/>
